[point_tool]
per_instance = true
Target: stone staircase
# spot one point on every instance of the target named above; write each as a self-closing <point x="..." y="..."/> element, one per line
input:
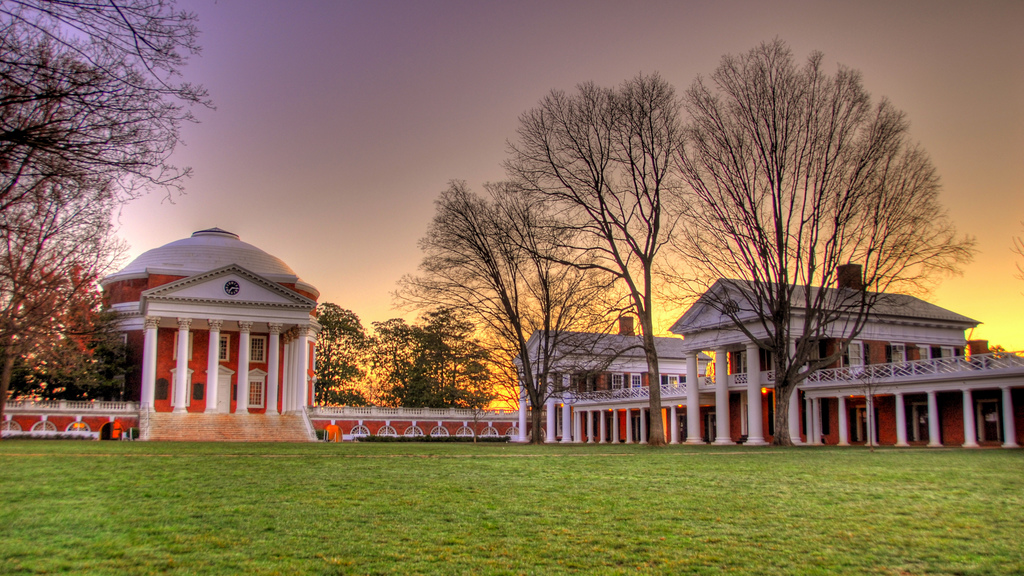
<point x="171" y="427"/>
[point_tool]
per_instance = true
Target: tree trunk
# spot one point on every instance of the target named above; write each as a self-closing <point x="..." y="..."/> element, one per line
<point x="656" y="425"/>
<point x="536" y="434"/>
<point x="783" y="394"/>
<point x="5" y="378"/>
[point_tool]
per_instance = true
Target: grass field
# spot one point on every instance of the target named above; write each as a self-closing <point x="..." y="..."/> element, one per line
<point x="152" y="508"/>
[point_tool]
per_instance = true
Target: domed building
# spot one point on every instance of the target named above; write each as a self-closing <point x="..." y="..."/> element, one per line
<point x="220" y="328"/>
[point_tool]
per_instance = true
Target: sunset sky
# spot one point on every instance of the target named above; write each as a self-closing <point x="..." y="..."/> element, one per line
<point x="338" y="123"/>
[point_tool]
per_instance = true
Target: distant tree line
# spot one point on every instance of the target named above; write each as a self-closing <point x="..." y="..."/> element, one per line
<point x="435" y="363"/>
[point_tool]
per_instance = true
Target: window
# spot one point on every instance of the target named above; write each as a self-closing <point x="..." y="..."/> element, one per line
<point x="175" y="353"/>
<point x="618" y="381"/>
<point x="854" y="355"/>
<point x="258" y="349"/>
<point x="198" y="391"/>
<point x="895" y="353"/>
<point x="669" y="380"/>
<point x="256" y="393"/>
<point x="79" y="426"/>
<point x="225" y="347"/>
<point x="636" y="381"/>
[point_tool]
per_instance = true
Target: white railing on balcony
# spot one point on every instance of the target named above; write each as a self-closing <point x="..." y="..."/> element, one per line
<point x="628" y="394"/>
<point x="365" y="412"/>
<point x="70" y="406"/>
<point x="918" y="369"/>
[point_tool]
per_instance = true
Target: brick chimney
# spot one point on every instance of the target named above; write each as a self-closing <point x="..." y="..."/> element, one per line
<point x="977" y="347"/>
<point x="626" y="326"/>
<point x="849" y="276"/>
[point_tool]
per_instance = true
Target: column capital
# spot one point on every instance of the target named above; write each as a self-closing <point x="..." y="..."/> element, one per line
<point x="184" y="323"/>
<point x="275" y="328"/>
<point x="244" y="327"/>
<point x="215" y="325"/>
<point x="152" y="322"/>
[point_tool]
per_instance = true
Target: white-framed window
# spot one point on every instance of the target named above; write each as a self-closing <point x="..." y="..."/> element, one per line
<point x="258" y="349"/>
<point x="636" y="381"/>
<point x="439" y="431"/>
<point x="174" y="355"/>
<point x="225" y="347"/>
<point x="855" y="354"/>
<point x="255" y="394"/>
<point x="257" y="388"/>
<point x="618" y="381"/>
<point x="897" y="353"/>
<point x="948" y="352"/>
<point x="78" y="426"/>
<point x="669" y="380"/>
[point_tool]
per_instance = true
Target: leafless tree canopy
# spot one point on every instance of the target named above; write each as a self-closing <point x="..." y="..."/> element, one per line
<point x="497" y="259"/>
<point x="794" y="172"/>
<point x="90" y="112"/>
<point x="92" y="88"/>
<point x="607" y="158"/>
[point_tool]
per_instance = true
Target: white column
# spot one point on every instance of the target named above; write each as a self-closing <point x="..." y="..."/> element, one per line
<point x="970" y="429"/>
<point x="755" y="422"/>
<point x="303" y="365"/>
<point x="692" y="400"/>
<point x="794" y="416"/>
<point x="273" y="366"/>
<point x="901" y="421"/>
<point x="589" y="415"/>
<point x="643" y="426"/>
<point x="577" y="427"/>
<point x="213" y="366"/>
<point x="869" y="408"/>
<point x="286" y="366"/>
<point x="242" y="377"/>
<point x="181" y="369"/>
<point x="809" y="420"/>
<point x="722" y="397"/>
<point x="1009" y="421"/>
<point x="816" y="420"/>
<point x="551" y="421"/>
<point x="615" y="426"/>
<point x="523" y="409"/>
<point x="933" y="420"/>
<point x="566" y="423"/>
<point x="674" y="425"/>
<point x="844" y="426"/>
<point x="629" y="425"/>
<point x="149" y="363"/>
<point x="603" y="428"/>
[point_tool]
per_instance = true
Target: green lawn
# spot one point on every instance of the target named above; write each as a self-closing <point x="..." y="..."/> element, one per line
<point x="148" y="508"/>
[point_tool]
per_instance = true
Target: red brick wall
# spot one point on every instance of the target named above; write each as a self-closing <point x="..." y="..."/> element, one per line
<point x="885" y="408"/>
<point x="951" y="417"/>
<point x="735" y="416"/>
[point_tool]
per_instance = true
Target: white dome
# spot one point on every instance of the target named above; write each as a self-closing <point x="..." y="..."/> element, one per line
<point x="207" y="250"/>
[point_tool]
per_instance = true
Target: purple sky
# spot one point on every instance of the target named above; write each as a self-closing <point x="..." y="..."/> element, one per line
<point x="338" y="123"/>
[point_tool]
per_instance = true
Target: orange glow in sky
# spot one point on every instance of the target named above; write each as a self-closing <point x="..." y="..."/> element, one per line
<point x="338" y="123"/>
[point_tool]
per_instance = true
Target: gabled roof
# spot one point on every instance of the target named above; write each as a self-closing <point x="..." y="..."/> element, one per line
<point x="704" y="315"/>
<point x="249" y="290"/>
<point x="618" y="345"/>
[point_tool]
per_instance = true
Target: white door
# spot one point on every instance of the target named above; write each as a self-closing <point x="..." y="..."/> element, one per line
<point x="223" y="393"/>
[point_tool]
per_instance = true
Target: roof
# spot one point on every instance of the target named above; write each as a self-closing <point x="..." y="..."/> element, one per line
<point x="704" y="315"/>
<point x="207" y="250"/>
<point x="590" y="343"/>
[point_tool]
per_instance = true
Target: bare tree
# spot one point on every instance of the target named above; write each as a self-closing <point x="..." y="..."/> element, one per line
<point x="794" y="172"/>
<point x="606" y="158"/>
<point x="90" y="88"/>
<point x="90" y="112"/>
<point x="52" y="254"/>
<point x="497" y="259"/>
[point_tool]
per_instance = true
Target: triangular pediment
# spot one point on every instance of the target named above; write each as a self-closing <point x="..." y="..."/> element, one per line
<point x="231" y="285"/>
